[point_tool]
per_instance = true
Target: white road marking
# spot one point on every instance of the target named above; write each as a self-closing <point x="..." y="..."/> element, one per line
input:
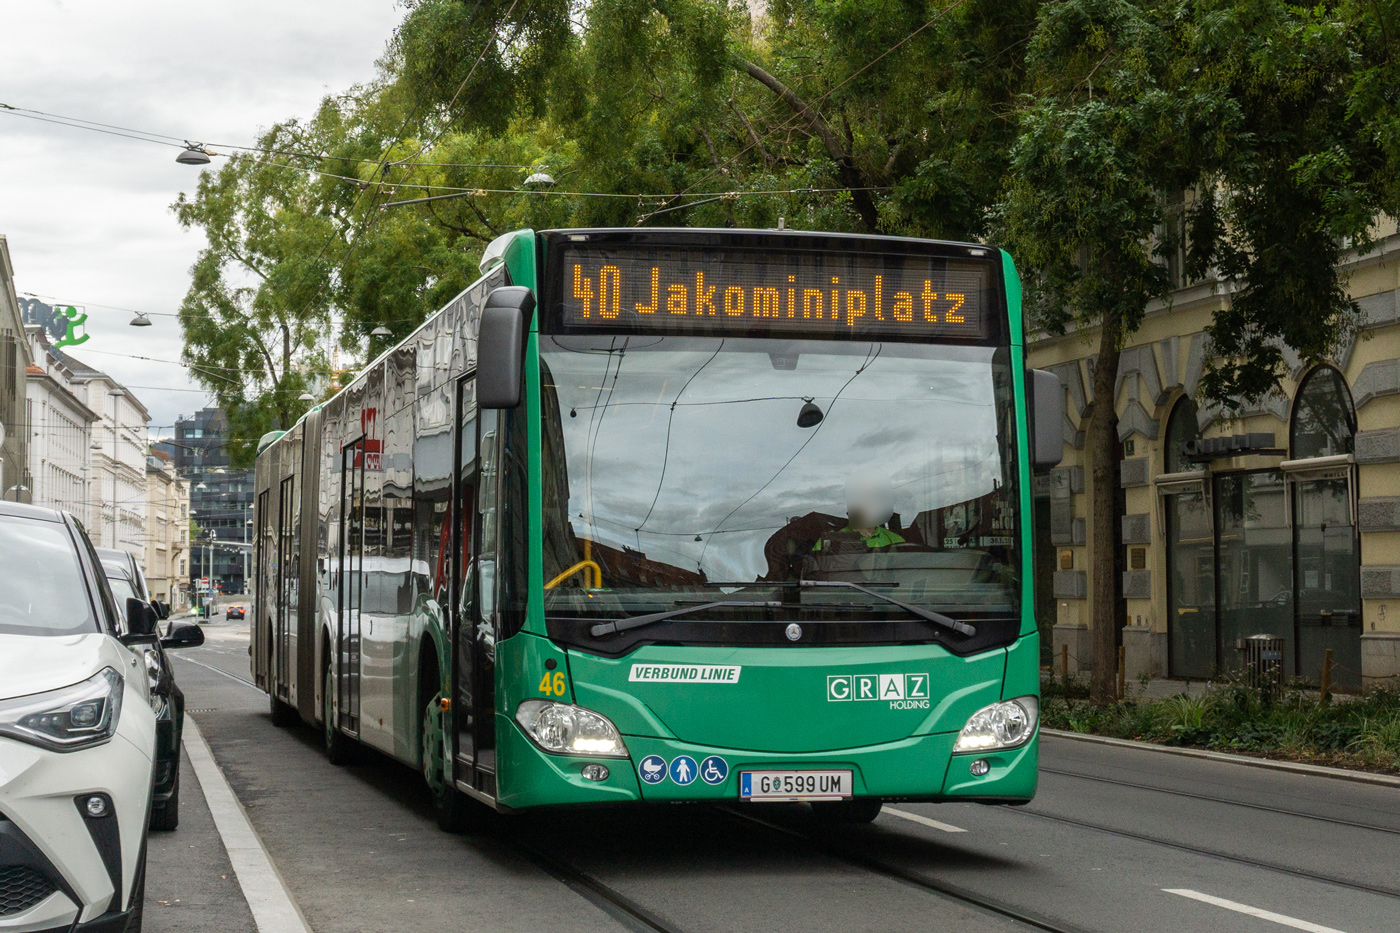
<point x="1252" y="911"/>
<point x="273" y="909"/>
<point x="923" y="821"/>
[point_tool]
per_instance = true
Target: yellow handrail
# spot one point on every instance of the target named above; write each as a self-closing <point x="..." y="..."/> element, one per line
<point x="597" y="575"/>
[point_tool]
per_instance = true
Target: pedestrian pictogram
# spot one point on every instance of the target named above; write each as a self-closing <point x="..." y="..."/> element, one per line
<point x="683" y="769"/>
<point x="714" y="770"/>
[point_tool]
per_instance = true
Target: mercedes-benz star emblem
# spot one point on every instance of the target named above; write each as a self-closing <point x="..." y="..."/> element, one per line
<point x="794" y="632"/>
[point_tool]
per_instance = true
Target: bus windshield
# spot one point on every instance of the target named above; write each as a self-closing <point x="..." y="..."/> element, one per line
<point x="683" y="470"/>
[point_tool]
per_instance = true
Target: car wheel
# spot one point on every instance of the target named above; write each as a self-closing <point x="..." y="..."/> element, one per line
<point x="282" y="714"/>
<point x="339" y="749"/>
<point x="854" y="811"/>
<point x="166" y="817"/>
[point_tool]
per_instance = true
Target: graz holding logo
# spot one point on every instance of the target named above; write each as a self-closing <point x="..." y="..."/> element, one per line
<point x="901" y="691"/>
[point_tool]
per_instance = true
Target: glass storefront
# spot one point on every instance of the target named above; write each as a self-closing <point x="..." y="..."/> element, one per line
<point x="1257" y="553"/>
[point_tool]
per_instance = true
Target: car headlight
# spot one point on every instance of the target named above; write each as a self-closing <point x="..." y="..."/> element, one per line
<point x="70" y="718"/>
<point x="1007" y="724"/>
<point x="569" y="730"/>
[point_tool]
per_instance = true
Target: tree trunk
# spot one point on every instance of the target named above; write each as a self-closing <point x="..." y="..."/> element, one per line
<point x="1103" y="441"/>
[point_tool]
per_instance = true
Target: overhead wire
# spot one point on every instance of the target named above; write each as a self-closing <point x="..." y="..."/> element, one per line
<point x="79" y="123"/>
<point x="666" y="453"/>
<point x="383" y="168"/>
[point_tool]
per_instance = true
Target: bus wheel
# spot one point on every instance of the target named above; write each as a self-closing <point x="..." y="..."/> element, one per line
<point x="454" y="810"/>
<point x="338" y="747"/>
<point x="856" y="810"/>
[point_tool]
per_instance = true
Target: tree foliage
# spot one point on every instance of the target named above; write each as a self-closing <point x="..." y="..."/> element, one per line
<point x="1068" y="130"/>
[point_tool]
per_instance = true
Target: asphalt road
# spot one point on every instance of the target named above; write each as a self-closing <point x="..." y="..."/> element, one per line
<point x="1117" y="840"/>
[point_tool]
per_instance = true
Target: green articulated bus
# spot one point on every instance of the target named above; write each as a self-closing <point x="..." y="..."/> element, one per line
<point x="675" y="515"/>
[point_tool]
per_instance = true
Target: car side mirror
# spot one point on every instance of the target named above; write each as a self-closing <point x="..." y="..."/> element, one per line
<point x="183" y="635"/>
<point x="500" y="346"/>
<point x="141" y="623"/>
<point x="162" y="609"/>
<point x="1047" y="420"/>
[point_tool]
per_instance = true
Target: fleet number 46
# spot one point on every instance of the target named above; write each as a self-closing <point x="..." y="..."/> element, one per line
<point x="553" y="684"/>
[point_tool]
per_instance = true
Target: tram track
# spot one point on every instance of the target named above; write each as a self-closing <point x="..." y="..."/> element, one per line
<point x="606" y="898"/>
<point x="1265" y="808"/>
<point x="1209" y="853"/>
<point x="909" y="877"/>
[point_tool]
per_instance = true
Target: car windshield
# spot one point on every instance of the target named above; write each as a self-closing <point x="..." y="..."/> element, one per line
<point x="42" y="591"/>
<point x="679" y="470"/>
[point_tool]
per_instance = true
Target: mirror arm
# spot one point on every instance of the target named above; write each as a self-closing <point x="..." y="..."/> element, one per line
<point x="133" y="639"/>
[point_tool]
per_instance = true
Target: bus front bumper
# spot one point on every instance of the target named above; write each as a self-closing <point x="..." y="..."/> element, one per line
<point x="920" y="767"/>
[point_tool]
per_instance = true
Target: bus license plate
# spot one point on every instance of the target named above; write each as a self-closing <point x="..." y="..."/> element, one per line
<point x="794" y="785"/>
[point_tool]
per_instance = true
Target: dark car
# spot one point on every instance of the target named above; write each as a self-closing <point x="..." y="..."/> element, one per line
<point x="126" y="580"/>
<point x="236" y="612"/>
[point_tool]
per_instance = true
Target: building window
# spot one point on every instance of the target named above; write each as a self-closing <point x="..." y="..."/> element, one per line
<point x="1182" y="426"/>
<point x="1326" y="551"/>
<point x="1191" y="625"/>
<point x="1324" y="424"/>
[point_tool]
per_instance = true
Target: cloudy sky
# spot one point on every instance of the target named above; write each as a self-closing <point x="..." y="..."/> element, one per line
<point x="87" y="215"/>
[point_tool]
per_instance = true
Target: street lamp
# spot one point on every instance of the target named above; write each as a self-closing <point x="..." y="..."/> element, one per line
<point x="381" y="331"/>
<point x="141" y="320"/>
<point x="193" y="154"/>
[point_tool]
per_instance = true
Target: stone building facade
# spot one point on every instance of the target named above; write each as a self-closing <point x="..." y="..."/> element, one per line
<point x="167" y="532"/>
<point x="14" y="363"/>
<point x="60" y="452"/>
<point x="1283" y="519"/>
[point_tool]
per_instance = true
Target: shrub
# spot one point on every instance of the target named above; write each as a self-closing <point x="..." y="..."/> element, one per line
<point x="1233" y="715"/>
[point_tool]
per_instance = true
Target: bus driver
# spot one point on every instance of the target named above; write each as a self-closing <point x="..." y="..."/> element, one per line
<point x="869" y="505"/>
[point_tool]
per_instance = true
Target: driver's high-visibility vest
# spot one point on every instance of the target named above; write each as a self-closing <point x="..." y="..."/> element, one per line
<point x="881" y="537"/>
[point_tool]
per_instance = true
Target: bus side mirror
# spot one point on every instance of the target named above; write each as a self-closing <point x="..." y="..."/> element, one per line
<point x="1047" y="420"/>
<point x="500" y="346"/>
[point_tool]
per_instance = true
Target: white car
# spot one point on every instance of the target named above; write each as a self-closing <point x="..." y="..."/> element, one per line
<point x="77" y="734"/>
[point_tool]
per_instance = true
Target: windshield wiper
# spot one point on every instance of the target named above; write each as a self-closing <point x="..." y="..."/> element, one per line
<point x="936" y="618"/>
<point x="631" y="622"/>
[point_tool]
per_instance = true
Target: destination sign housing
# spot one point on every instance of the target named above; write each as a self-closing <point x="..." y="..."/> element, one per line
<point x="680" y="289"/>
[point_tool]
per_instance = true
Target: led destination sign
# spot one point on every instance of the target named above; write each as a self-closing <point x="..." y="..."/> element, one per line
<point x="687" y="289"/>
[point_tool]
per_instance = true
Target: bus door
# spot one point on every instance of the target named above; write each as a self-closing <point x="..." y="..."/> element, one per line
<point x="264" y="600"/>
<point x="286" y="588"/>
<point x="352" y="549"/>
<point x="474" y="688"/>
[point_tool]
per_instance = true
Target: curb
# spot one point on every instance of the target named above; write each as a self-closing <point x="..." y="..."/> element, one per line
<point x="1290" y="767"/>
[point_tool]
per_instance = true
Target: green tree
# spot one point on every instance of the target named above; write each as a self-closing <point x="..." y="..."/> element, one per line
<point x="257" y="309"/>
<point x="1132" y="101"/>
<point x="1094" y="155"/>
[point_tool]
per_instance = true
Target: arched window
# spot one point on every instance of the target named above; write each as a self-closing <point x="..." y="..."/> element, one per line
<point x="1324" y="423"/>
<point x="1182" y="426"/>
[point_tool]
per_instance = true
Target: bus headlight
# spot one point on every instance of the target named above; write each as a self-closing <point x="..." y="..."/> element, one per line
<point x="569" y="730"/>
<point x="69" y="718"/>
<point x="1008" y="724"/>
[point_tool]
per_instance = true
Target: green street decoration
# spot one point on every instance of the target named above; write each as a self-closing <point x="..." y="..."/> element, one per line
<point x="75" y="332"/>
